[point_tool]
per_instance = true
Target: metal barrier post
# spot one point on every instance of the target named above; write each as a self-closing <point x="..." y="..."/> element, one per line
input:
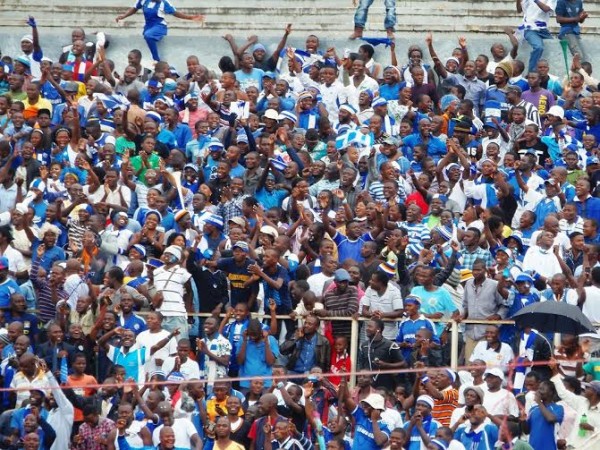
<point x="354" y="338"/>
<point x="454" y="345"/>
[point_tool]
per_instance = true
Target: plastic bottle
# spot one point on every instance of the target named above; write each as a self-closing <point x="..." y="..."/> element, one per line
<point x="582" y="432"/>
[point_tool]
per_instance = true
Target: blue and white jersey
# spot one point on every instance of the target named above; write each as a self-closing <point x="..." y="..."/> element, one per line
<point x="154" y="12"/>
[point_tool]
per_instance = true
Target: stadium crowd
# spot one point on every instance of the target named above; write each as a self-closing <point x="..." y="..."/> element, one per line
<point x="276" y="195"/>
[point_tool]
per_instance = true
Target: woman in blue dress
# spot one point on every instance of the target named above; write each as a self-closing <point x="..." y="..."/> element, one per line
<point x="156" y="25"/>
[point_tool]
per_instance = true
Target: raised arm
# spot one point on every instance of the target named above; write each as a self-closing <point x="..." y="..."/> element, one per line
<point x="282" y="42"/>
<point x="437" y="64"/>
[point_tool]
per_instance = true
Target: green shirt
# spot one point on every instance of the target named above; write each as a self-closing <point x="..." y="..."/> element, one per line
<point x="136" y="163"/>
<point x="593" y="368"/>
<point x="122" y="144"/>
<point x="518" y="445"/>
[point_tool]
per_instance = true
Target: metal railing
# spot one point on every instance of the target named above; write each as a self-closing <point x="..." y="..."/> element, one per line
<point x="354" y="329"/>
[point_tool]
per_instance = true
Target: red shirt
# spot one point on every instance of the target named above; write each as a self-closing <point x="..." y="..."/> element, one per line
<point x="339" y="362"/>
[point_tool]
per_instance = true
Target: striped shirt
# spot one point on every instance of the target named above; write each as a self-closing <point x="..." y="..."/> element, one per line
<point x="444" y="407"/>
<point x="47" y="307"/>
<point x="417" y="232"/>
<point x="170" y="282"/>
<point x="341" y="305"/>
<point x="531" y="112"/>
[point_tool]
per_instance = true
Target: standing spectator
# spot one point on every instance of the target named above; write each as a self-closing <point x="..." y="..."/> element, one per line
<point x="342" y="301"/>
<point x="308" y="349"/>
<point x="570" y="14"/>
<point x="497" y="400"/>
<point x="536" y="17"/>
<point x="541" y="421"/>
<point x="379" y="353"/>
<point x="444" y="394"/>
<point x="481" y="300"/>
<point x="492" y="351"/>
<point x="478" y="433"/>
<point x="267" y="410"/>
<point x="383" y="300"/>
<point x="236" y="268"/>
<point x="173" y="298"/>
<point x="257" y="354"/>
<point x="422" y="425"/>
<point x="93" y="431"/>
<point x="214" y="352"/>
<point x="371" y="430"/>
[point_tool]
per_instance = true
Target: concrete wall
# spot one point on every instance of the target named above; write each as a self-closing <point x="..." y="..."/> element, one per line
<point x="331" y="20"/>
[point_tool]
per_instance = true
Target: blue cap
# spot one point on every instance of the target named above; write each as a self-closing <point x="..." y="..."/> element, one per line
<point x="490" y="124"/>
<point x="4" y="263"/>
<point x="242" y="246"/>
<point x="413" y="299"/>
<point x="341" y="275"/>
<point x="269" y="75"/>
<point x="592" y="160"/>
<point x="524" y="278"/>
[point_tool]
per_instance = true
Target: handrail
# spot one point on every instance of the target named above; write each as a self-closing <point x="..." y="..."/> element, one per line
<point x="454" y="330"/>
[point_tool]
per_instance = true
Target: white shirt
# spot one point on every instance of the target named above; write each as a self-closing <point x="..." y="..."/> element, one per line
<point x="317" y="282"/>
<point x="492" y="358"/>
<point x="354" y="92"/>
<point x="502" y="403"/>
<point x="188" y="369"/>
<point x="16" y="262"/>
<point x="390" y="301"/>
<point x="184" y="430"/>
<point x="591" y="306"/>
<point x="392" y="418"/>
<point x="534" y="18"/>
<point x="149" y="340"/>
<point x="543" y="262"/>
<point x="76" y="288"/>
<point x="218" y="346"/>
<point x="60" y="418"/>
<point x="171" y="284"/>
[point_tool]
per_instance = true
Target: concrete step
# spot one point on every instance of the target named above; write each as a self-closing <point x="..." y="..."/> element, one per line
<point x="307" y="15"/>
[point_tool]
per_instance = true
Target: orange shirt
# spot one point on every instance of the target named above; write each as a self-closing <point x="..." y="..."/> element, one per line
<point x="79" y="386"/>
<point x="442" y="411"/>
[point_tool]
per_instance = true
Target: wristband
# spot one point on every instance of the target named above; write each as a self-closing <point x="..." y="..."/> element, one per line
<point x="536" y="276"/>
<point x="424" y="379"/>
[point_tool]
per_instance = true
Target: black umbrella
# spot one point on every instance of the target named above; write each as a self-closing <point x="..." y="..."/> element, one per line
<point x="551" y="316"/>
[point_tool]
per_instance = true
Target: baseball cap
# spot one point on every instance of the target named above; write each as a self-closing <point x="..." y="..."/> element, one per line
<point x="341" y="275"/>
<point x="269" y="230"/>
<point x="238" y="220"/>
<point x="556" y="111"/>
<point x="414" y="299"/>
<point x="242" y="246"/>
<point x="494" y="371"/>
<point x="271" y="114"/>
<point x="375" y="401"/>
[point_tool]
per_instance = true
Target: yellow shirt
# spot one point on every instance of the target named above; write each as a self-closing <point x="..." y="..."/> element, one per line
<point x="31" y="109"/>
<point x="211" y="408"/>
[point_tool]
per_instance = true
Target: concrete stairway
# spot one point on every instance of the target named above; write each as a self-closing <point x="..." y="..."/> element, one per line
<point x="331" y="16"/>
<point x="331" y="20"/>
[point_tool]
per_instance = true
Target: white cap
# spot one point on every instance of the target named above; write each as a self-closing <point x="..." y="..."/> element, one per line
<point x="376" y="401"/>
<point x="174" y="250"/>
<point x="495" y="371"/>
<point x="556" y="111"/>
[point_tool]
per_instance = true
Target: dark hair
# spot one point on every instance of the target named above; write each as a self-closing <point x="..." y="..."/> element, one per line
<point x="381" y="277"/>
<point x="117" y="273"/>
<point x="379" y="323"/>
<point x="174" y="236"/>
<point x="368" y="49"/>
<point x="573" y="383"/>
<point x="475" y="230"/>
